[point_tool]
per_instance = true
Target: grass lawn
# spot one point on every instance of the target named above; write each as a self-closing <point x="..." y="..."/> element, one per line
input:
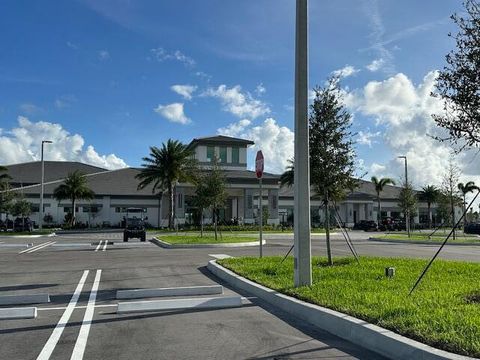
<point x="206" y="239"/>
<point x="434" y="239"/>
<point x="240" y="232"/>
<point x="36" y="232"/>
<point x="443" y="312"/>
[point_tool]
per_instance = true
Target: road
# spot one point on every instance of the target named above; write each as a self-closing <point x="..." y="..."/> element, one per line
<point x="63" y="329"/>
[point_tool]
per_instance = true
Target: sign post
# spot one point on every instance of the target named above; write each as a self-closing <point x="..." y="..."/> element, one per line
<point x="259" y="172"/>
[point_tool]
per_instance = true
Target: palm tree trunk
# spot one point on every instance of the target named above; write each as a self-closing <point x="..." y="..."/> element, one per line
<point x="215" y="222"/>
<point x="379" y="215"/>
<point x="170" y="206"/>
<point x="465" y="217"/>
<point x="429" y="215"/>
<point x="73" y="213"/>
<point x="201" y="222"/>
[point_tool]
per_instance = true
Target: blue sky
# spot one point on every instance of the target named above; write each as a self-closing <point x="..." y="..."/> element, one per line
<point x="97" y="75"/>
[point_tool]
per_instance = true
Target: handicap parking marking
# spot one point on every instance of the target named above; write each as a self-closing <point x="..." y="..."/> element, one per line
<point x="220" y="256"/>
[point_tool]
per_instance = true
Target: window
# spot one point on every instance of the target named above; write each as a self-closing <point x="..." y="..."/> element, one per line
<point x="92" y="209"/>
<point x="274" y="202"/>
<point x="223" y="154"/>
<point x="210" y="153"/>
<point x="235" y="155"/>
<point x="249" y="201"/>
<point x="67" y="209"/>
<point x="180" y="201"/>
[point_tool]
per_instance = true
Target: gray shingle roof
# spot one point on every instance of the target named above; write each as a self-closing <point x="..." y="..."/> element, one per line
<point x="220" y="139"/>
<point x="31" y="172"/>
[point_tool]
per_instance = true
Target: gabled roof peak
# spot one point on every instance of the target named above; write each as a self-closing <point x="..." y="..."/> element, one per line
<point x="220" y="139"/>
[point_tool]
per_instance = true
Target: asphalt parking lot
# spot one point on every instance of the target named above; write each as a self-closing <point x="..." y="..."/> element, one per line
<point x="83" y="272"/>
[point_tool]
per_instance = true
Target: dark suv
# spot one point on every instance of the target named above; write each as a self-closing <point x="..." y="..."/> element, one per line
<point x="366" y="225"/>
<point x="472" y="228"/>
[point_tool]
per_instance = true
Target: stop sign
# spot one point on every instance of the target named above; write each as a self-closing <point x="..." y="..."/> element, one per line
<point x="259" y="164"/>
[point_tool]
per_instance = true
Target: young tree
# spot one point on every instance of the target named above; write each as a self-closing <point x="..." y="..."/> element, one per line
<point x="332" y="156"/>
<point x="211" y="191"/>
<point x="458" y="83"/>
<point x="407" y="201"/>
<point x="450" y="189"/>
<point x="464" y="190"/>
<point x="6" y="196"/>
<point x="74" y="187"/>
<point x="379" y="185"/>
<point x="22" y="208"/>
<point x="166" y="166"/>
<point x="430" y="194"/>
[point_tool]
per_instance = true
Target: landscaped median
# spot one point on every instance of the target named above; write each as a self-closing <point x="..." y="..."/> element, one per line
<point x="444" y="312"/>
<point x="183" y="240"/>
<point x="425" y="239"/>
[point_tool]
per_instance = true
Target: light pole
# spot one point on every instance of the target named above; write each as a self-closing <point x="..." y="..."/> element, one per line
<point x="407" y="214"/>
<point x="40" y="220"/>
<point x="302" y="245"/>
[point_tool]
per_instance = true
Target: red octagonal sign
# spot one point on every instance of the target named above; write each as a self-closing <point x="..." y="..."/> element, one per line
<point x="259" y="164"/>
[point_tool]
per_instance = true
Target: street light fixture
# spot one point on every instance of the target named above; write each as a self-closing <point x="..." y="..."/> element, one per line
<point x="40" y="220"/>
<point x="407" y="215"/>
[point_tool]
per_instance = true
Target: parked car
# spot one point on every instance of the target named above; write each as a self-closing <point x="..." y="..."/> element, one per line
<point x="390" y="224"/>
<point x="366" y="225"/>
<point x="472" y="228"/>
<point x="23" y="224"/>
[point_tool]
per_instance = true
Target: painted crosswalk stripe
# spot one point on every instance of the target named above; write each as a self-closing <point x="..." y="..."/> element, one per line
<point x="105" y="246"/>
<point x="81" y="343"/>
<point x="37" y="247"/>
<point x="99" y="245"/>
<point x="57" y="332"/>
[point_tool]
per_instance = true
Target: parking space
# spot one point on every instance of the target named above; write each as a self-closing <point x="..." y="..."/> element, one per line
<point x="81" y="322"/>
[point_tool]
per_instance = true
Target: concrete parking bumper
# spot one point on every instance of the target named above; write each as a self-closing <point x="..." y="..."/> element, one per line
<point x="24" y="299"/>
<point x="176" y="291"/>
<point x="18" y="313"/>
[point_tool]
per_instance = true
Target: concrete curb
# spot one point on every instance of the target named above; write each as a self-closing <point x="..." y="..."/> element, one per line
<point x="421" y="242"/>
<point x="18" y="313"/>
<point x="74" y="232"/>
<point x="177" y="291"/>
<point x="167" y="245"/>
<point x="24" y="299"/>
<point x="369" y="336"/>
<point x="178" y="304"/>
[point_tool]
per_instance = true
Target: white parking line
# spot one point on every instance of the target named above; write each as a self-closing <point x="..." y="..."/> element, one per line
<point x="99" y="245"/>
<point x="220" y="256"/>
<point x="57" y="332"/>
<point x="81" y="343"/>
<point x="37" y="247"/>
<point x="105" y="246"/>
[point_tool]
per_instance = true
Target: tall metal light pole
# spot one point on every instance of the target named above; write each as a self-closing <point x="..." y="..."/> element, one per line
<point x="407" y="214"/>
<point x="302" y="246"/>
<point x="40" y="220"/>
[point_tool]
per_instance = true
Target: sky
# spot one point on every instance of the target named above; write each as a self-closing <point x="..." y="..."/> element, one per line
<point x="106" y="79"/>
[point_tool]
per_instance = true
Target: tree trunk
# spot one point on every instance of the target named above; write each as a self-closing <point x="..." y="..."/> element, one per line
<point x="453" y="216"/>
<point x="327" y="231"/>
<point x="429" y="215"/>
<point x="215" y="222"/>
<point x="160" y="198"/>
<point x="170" y="206"/>
<point x="201" y="222"/>
<point x="73" y="212"/>
<point x="465" y="215"/>
<point x="379" y="215"/>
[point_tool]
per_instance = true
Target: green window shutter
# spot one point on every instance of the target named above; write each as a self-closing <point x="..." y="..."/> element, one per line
<point x="223" y="154"/>
<point x="235" y="155"/>
<point x="210" y="153"/>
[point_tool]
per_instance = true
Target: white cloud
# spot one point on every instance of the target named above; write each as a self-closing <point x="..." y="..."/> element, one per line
<point x="366" y="137"/>
<point x="160" y="54"/>
<point x="405" y="110"/>
<point x="275" y="141"/>
<point x="376" y="65"/>
<point x="260" y="90"/>
<point x="184" y="90"/>
<point x="30" y="109"/>
<point x="377" y="170"/>
<point x="64" y="101"/>
<point x="345" y="72"/>
<point x="103" y="55"/>
<point x="72" y="45"/>
<point x="173" y="113"/>
<point x="238" y="103"/>
<point x="22" y="144"/>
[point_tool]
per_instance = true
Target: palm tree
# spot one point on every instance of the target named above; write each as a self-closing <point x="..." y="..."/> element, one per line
<point x="379" y="185"/>
<point x="166" y="166"/>
<point x="5" y="196"/>
<point x="465" y="189"/>
<point x="74" y="187"/>
<point x="286" y="179"/>
<point x="430" y="194"/>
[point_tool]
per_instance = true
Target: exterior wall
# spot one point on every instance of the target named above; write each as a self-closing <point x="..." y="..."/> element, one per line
<point x="201" y="156"/>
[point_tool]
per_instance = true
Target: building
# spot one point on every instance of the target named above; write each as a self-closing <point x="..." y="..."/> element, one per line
<point x="116" y="190"/>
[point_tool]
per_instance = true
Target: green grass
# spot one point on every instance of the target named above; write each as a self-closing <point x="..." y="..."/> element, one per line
<point x="36" y="232"/>
<point x="440" y="312"/>
<point x="240" y="232"/>
<point x="206" y="239"/>
<point x="459" y="239"/>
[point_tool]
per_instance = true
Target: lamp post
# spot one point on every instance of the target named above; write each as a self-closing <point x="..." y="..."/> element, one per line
<point x="407" y="214"/>
<point x="302" y="244"/>
<point x="40" y="220"/>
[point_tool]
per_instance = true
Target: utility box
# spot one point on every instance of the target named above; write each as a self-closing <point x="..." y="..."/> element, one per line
<point x="390" y="272"/>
